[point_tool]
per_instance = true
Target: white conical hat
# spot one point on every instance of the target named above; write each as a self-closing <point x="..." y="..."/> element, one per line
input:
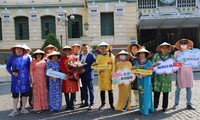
<point x="163" y="44"/>
<point x="38" y="51"/>
<point x="17" y="46"/>
<point x="145" y="51"/>
<point x="102" y="44"/>
<point x="54" y="53"/>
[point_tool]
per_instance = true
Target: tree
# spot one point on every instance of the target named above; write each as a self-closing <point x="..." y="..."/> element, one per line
<point x="51" y="39"/>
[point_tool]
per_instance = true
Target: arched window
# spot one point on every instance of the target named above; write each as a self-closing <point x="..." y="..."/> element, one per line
<point x="21" y="28"/>
<point x="75" y="27"/>
<point x="48" y="25"/>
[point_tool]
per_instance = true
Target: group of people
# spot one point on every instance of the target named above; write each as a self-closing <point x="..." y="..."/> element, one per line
<point x="30" y="71"/>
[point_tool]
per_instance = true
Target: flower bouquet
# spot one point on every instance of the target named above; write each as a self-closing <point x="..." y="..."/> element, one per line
<point x="75" y="67"/>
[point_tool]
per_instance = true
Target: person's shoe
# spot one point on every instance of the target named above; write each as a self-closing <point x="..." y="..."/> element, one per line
<point x="91" y="107"/>
<point x="84" y="105"/>
<point x="20" y="108"/>
<point x="67" y="108"/>
<point x="82" y="102"/>
<point x="38" y="111"/>
<point x="164" y="109"/>
<point x="101" y="107"/>
<point x="175" y="106"/>
<point x="189" y="107"/>
<point x="72" y="108"/>
<point x="112" y="107"/>
<point x="13" y="113"/>
<point x="24" y="111"/>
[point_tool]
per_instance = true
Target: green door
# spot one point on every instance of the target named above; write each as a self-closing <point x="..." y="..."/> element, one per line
<point x="107" y="24"/>
<point x="21" y="28"/>
<point x="75" y="28"/>
<point x="48" y="25"/>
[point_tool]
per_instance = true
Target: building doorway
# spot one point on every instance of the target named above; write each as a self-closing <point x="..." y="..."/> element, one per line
<point x="151" y="38"/>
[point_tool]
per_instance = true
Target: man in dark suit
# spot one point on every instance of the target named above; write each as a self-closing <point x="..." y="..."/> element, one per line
<point x="87" y="76"/>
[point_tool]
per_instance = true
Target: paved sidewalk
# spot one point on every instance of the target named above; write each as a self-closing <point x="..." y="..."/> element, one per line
<point x="82" y="114"/>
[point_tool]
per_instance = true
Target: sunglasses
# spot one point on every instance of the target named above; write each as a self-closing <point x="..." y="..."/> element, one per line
<point x="103" y="46"/>
<point x="183" y="43"/>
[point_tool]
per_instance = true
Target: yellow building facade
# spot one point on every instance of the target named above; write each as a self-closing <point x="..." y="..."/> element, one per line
<point x="29" y="21"/>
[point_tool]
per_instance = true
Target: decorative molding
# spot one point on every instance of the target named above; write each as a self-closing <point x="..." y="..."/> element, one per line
<point x="120" y="10"/>
<point x="33" y="15"/>
<point x="6" y="16"/>
<point x="20" y="12"/>
<point x="46" y="11"/>
<point x="93" y="10"/>
<point x="74" y="10"/>
<point x="60" y="13"/>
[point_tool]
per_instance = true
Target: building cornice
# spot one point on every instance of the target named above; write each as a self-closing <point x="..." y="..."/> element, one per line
<point x="107" y="1"/>
<point x="70" y="5"/>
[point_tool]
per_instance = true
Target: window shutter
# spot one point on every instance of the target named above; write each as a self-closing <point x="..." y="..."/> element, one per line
<point x="23" y="21"/>
<point x="107" y="24"/>
<point x="17" y="31"/>
<point x="51" y="25"/>
<point x="25" y="31"/>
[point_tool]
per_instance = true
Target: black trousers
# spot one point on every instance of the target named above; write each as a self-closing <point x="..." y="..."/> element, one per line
<point x="110" y="96"/>
<point x="69" y="99"/>
<point x="30" y="98"/>
<point x="165" y="99"/>
<point x="82" y="94"/>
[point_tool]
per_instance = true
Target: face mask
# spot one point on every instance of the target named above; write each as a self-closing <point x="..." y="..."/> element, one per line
<point x="184" y="47"/>
<point x="122" y="57"/>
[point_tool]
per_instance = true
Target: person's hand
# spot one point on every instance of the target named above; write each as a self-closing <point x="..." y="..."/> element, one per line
<point x="139" y="76"/>
<point x="143" y="75"/>
<point x="53" y="78"/>
<point x="101" y="70"/>
<point x="82" y="71"/>
<point x="33" y="82"/>
<point x="171" y="74"/>
<point x="94" y="64"/>
<point x="15" y="74"/>
<point x="134" y="67"/>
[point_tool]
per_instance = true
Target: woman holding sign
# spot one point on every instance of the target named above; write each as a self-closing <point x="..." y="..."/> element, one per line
<point x="144" y="82"/>
<point x="38" y="80"/>
<point x="124" y="99"/>
<point x="163" y="81"/>
<point x="184" y="74"/>
<point x="133" y="49"/>
<point x="55" y="92"/>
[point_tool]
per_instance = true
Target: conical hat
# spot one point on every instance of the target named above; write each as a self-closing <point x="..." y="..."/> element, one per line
<point x="123" y="52"/>
<point x="50" y="46"/>
<point x="145" y="51"/>
<point x="54" y="53"/>
<point x="130" y="45"/>
<point x="27" y="47"/>
<point x="102" y="44"/>
<point x="190" y="44"/>
<point x="76" y="45"/>
<point x="17" y="46"/>
<point x="38" y="51"/>
<point x="164" y="44"/>
<point x="66" y="47"/>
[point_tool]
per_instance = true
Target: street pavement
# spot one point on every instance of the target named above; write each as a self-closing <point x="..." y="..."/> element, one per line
<point x="181" y="113"/>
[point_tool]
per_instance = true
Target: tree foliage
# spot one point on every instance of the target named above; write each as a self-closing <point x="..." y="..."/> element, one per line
<point x="51" y="39"/>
